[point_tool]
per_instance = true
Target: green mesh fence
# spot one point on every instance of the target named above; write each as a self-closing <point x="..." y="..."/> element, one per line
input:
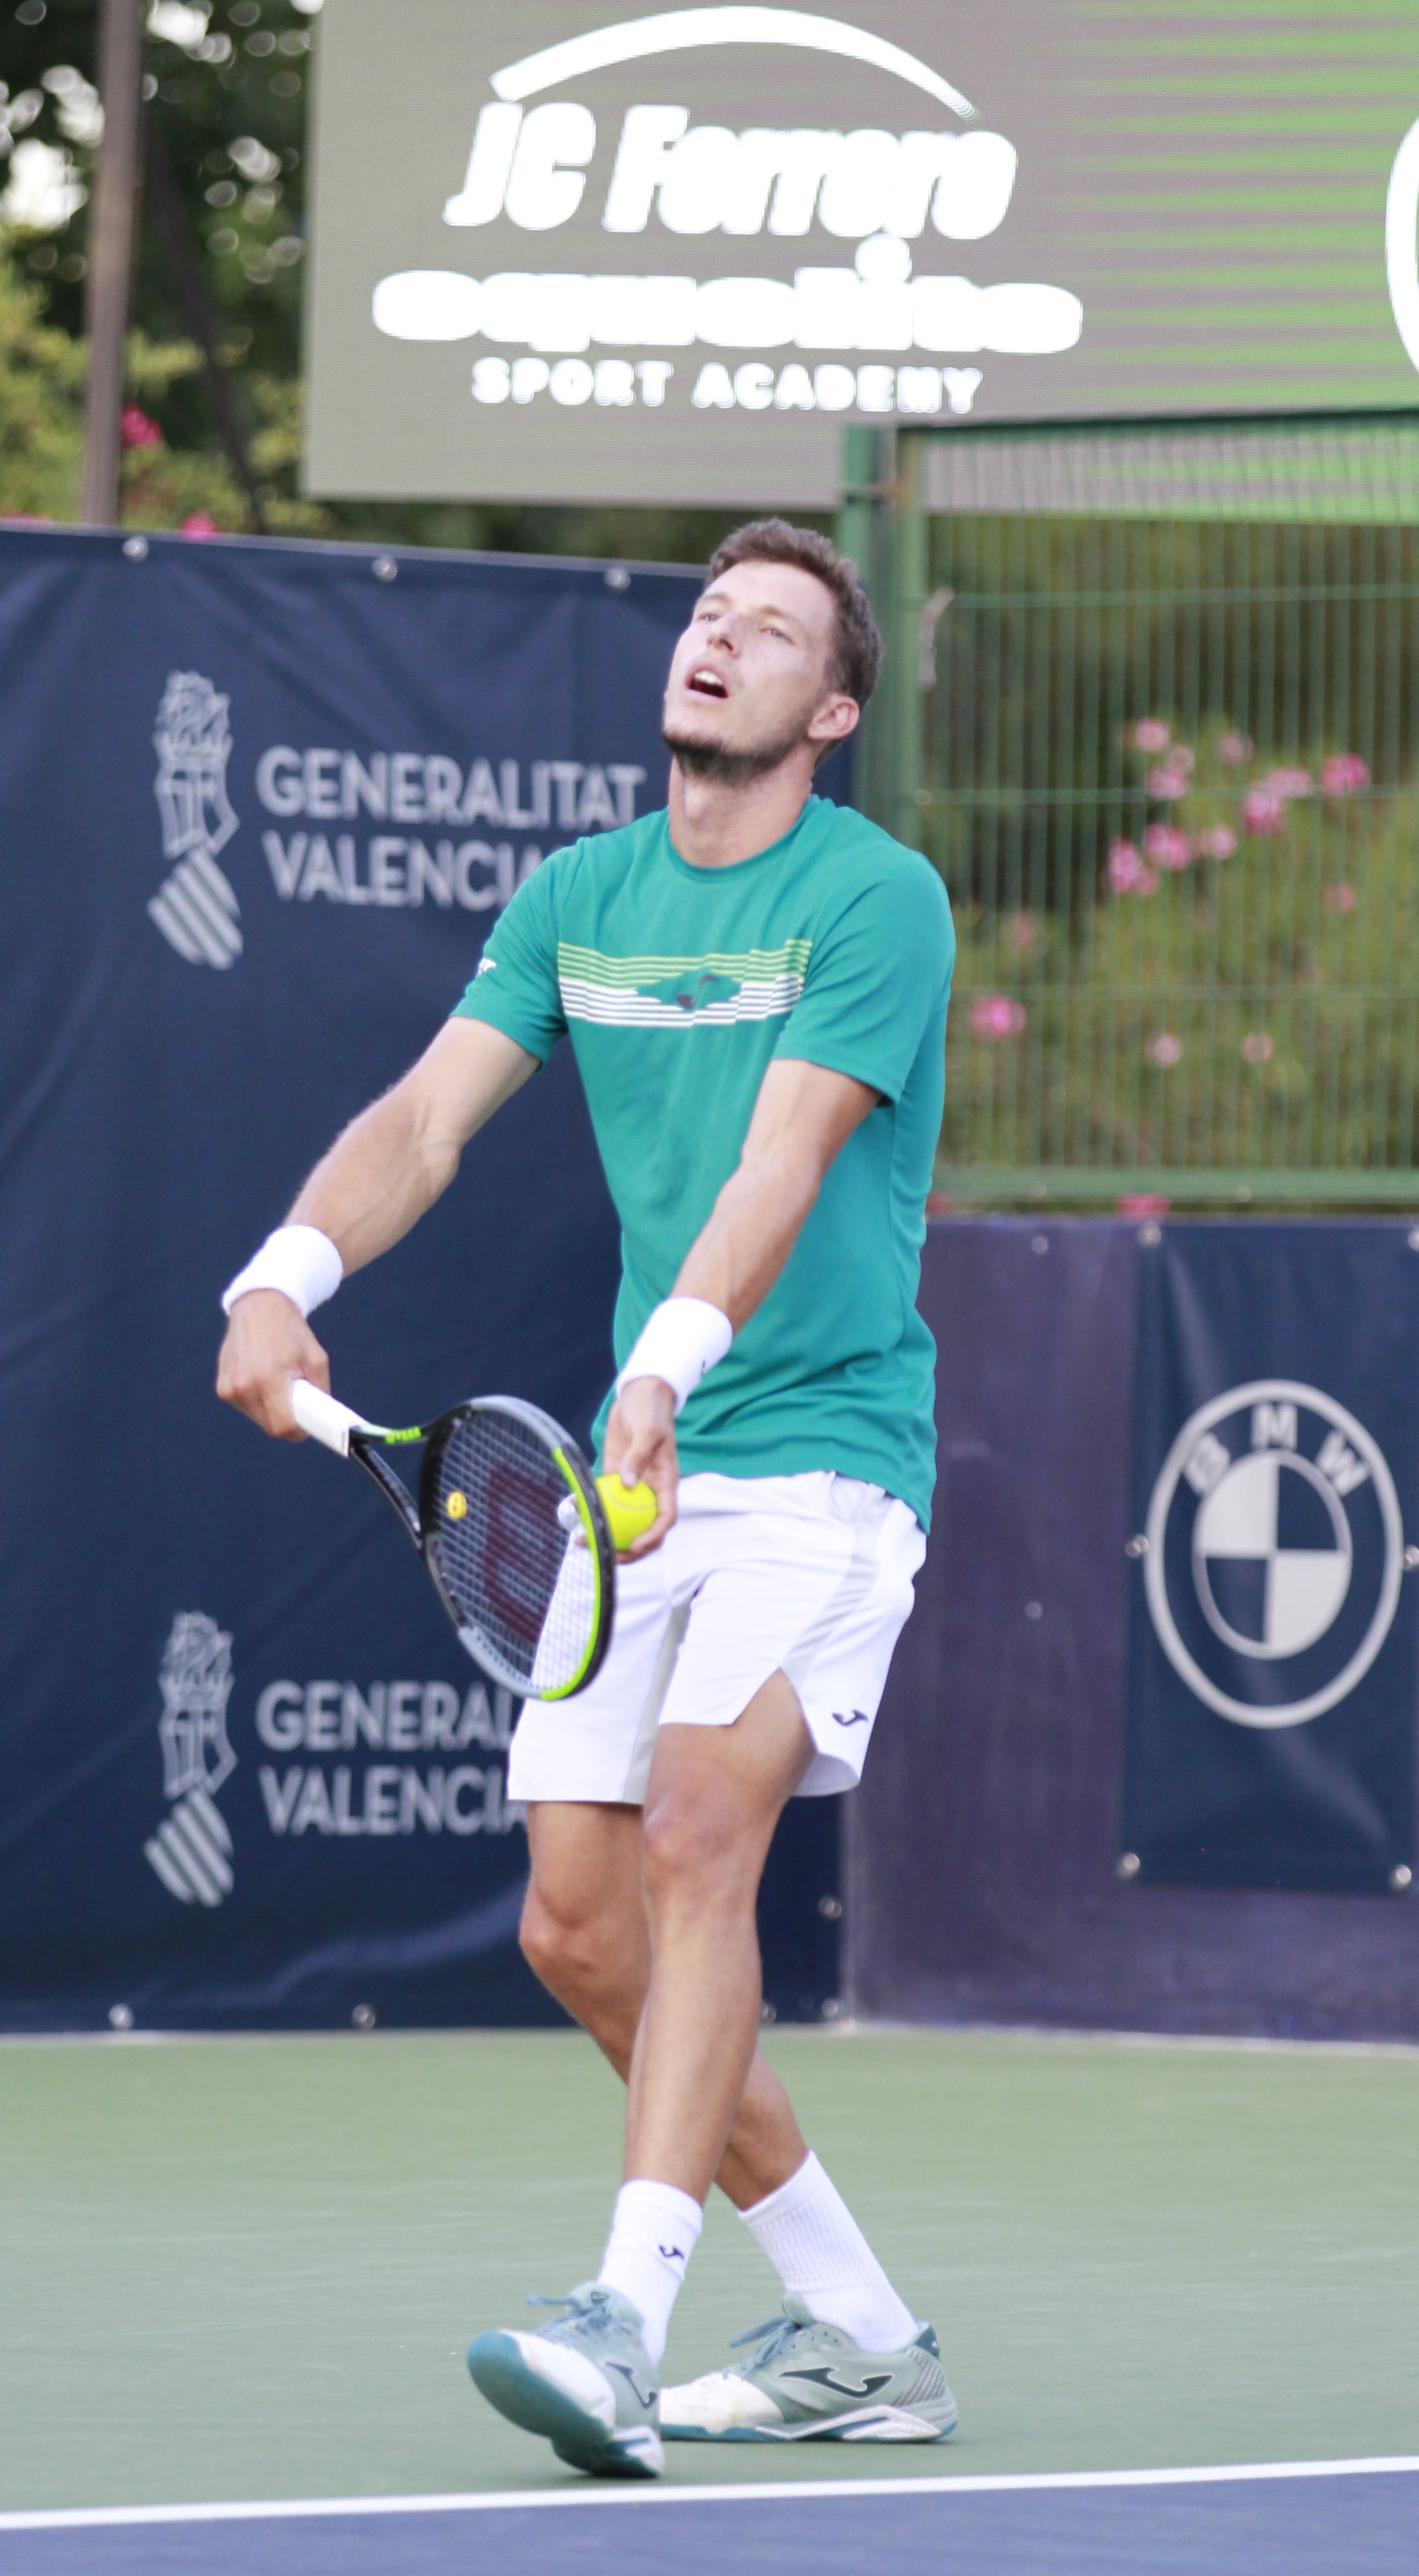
<point x="1153" y="713"/>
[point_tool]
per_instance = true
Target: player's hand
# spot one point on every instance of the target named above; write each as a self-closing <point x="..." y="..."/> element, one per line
<point x="640" y="1442"/>
<point x="268" y="1344"/>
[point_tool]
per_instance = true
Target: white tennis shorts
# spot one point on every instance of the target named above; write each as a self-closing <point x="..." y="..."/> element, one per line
<point x="807" y="1575"/>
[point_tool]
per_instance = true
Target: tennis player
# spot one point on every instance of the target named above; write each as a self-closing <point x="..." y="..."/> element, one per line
<point x="755" y="985"/>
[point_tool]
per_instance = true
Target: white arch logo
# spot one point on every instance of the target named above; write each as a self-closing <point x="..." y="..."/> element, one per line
<point x="1402" y="242"/>
<point x="1274" y="1524"/>
<point x="679" y="30"/>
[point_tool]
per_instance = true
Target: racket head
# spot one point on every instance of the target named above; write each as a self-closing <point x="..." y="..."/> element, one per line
<point x="532" y="1598"/>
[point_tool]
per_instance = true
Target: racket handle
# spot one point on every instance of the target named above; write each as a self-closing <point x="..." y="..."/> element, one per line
<point x="323" y="1419"/>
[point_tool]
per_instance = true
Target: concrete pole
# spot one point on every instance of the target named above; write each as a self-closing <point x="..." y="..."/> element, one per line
<point x="111" y="218"/>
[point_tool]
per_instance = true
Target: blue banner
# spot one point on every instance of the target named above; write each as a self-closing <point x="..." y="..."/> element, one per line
<point x="260" y="805"/>
<point x="1272" y="1678"/>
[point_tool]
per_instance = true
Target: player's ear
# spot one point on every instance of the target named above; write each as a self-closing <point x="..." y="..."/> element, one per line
<point x="837" y="717"/>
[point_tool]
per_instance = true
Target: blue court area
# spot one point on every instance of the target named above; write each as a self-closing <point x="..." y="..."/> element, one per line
<point x="1326" y="2520"/>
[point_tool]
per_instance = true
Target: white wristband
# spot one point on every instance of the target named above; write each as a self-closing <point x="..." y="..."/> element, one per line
<point x="682" y="1338"/>
<point x="299" y="1260"/>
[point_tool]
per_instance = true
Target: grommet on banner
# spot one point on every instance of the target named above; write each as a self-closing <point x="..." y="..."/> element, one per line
<point x="1414" y="1238"/>
<point x="385" y="568"/>
<point x="120" y="2017"/>
<point x="136" y="549"/>
<point x="617" y="577"/>
<point x="1401" y="1878"/>
<point x="1411" y="1559"/>
<point x="1039" y="1243"/>
<point x="831" y="2008"/>
<point x="1136" y="1546"/>
<point x="1034" y="1609"/>
<point x="1129" y="1864"/>
<point x="830" y="1907"/>
<point x="1151" y="1235"/>
<point x="363" y="2017"/>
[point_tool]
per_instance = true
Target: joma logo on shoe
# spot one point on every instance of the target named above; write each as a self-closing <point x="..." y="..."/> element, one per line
<point x="644" y="2396"/>
<point x="867" y="2387"/>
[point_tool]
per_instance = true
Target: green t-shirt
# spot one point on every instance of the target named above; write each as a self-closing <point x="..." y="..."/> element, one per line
<point x="679" y="985"/>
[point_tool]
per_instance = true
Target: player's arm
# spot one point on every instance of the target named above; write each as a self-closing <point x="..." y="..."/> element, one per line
<point x="802" y="1118"/>
<point x="378" y="1178"/>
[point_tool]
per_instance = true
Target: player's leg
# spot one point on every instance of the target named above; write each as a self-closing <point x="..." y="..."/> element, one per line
<point x="585" y="1934"/>
<point x="714" y="1796"/>
<point x="849" y="2361"/>
<point x="583" y="1931"/>
<point x="589" y="2383"/>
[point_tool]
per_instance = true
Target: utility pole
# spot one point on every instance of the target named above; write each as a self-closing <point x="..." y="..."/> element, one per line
<point x="111" y="218"/>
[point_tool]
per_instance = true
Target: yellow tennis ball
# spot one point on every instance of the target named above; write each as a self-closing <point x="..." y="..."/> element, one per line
<point x="456" y="1506"/>
<point x="630" y="1511"/>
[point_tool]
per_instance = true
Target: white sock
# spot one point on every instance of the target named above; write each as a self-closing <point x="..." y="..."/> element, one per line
<point x="818" y="2251"/>
<point x="652" y="2237"/>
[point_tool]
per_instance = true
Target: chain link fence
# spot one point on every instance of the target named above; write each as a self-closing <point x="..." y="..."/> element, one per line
<point x="1153" y="714"/>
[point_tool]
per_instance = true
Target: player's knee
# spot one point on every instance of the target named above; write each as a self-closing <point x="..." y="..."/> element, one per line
<point x="569" y="1954"/>
<point x="692" y="1853"/>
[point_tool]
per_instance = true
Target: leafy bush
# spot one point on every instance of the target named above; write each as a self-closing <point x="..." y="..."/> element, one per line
<point x="1239" y="988"/>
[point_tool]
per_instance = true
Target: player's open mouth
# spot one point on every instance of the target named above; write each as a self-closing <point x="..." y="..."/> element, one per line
<point x="706" y="683"/>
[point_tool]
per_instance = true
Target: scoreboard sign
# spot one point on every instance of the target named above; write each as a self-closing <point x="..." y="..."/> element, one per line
<point x="563" y="252"/>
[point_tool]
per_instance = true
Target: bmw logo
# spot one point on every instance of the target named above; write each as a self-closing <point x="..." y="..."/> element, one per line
<point x="1274" y="1553"/>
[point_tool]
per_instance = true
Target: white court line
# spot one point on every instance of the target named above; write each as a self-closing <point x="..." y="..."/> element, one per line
<point x="116" y="2517"/>
<point x="823" y="2035"/>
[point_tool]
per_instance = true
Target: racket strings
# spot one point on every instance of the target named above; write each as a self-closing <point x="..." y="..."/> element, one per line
<point x="511" y="1569"/>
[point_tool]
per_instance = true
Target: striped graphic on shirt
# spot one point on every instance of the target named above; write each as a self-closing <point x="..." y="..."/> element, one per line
<point x="681" y="992"/>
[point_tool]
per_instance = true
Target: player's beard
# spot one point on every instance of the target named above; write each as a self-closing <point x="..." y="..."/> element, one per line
<point x="727" y="768"/>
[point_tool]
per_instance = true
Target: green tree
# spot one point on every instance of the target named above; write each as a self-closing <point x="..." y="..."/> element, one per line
<point x="41" y="427"/>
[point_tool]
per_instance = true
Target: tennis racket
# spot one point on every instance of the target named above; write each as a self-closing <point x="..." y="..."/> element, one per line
<point x="510" y="1525"/>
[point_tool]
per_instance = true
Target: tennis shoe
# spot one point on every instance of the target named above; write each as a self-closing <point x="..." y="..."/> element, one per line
<point x="809" y="2382"/>
<point x="587" y="2383"/>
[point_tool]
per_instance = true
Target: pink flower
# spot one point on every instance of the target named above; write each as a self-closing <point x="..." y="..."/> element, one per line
<point x="1263" y="810"/>
<point x="200" y="523"/>
<point x="995" y="1015"/>
<point x="1218" y="841"/>
<point x="1143" y="1203"/>
<point x="1151" y="734"/>
<point x="1127" y="873"/>
<point x="1288" y="782"/>
<point x="135" y="429"/>
<point x="1166" y="1050"/>
<point x="1167" y="782"/>
<point x="1339" y="898"/>
<point x="1343" y="773"/>
<point x="1166" y="846"/>
<point x="1257" y="1047"/>
<point x="1236" y="749"/>
<point x="1021" y="932"/>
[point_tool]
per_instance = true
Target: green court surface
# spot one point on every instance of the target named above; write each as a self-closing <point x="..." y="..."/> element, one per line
<point x="246" y="2268"/>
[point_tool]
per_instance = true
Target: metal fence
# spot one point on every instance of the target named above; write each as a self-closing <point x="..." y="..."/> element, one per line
<point x="1151" y="705"/>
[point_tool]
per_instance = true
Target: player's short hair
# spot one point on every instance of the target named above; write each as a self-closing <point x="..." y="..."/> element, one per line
<point x="857" y="651"/>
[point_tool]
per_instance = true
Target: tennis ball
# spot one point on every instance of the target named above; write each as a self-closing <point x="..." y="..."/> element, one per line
<point x="456" y="1506"/>
<point x="630" y="1511"/>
